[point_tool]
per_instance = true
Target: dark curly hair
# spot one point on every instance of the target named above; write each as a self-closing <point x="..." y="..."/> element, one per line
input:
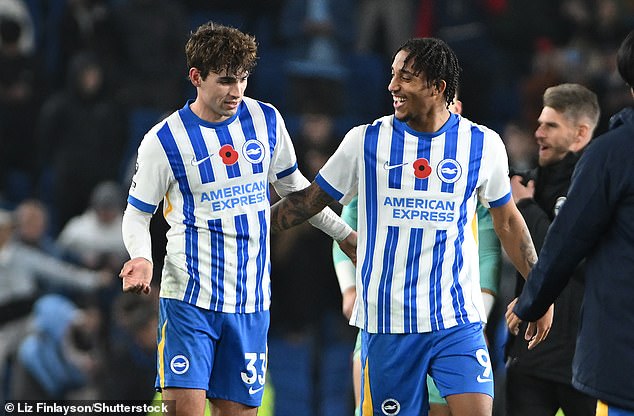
<point x="436" y="60"/>
<point x="214" y="47"/>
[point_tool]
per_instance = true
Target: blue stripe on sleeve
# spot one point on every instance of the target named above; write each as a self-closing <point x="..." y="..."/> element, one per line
<point x="499" y="202"/>
<point x="329" y="189"/>
<point x="287" y="172"/>
<point x="140" y="205"/>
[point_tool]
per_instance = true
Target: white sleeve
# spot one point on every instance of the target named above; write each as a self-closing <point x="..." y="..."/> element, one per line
<point x="495" y="189"/>
<point x="346" y="274"/>
<point x="340" y="175"/>
<point x="326" y="220"/>
<point x="153" y="174"/>
<point x="489" y="302"/>
<point x="136" y="233"/>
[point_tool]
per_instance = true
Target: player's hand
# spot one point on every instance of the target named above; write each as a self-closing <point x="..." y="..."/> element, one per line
<point x="349" y="296"/>
<point x="512" y="321"/>
<point x="137" y="275"/>
<point x="538" y="331"/>
<point x="349" y="246"/>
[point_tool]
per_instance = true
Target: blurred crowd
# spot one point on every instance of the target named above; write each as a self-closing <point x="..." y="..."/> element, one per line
<point x="82" y="80"/>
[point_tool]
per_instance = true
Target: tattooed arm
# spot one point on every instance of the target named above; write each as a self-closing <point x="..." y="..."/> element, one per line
<point x="515" y="238"/>
<point x="299" y="206"/>
<point x="513" y="233"/>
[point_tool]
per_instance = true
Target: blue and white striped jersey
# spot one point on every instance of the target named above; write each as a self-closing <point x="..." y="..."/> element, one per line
<point x="214" y="181"/>
<point x="417" y="259"/>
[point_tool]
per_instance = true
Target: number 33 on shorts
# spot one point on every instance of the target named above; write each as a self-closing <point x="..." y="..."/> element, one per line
<point x="254" y="379"/>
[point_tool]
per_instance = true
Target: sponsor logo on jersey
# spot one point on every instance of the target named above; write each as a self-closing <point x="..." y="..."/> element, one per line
<point x="199" y="161"/>
<point x="387" y="165"/>
<point x="253" y="151"/>
<point x="179" y="364"/>
<point x="390" y="407"/>
<point x="449" y="170"/>
<point x="236" y="195"/>
<point x="253" y="391"/>
<point x="426" y="209"/>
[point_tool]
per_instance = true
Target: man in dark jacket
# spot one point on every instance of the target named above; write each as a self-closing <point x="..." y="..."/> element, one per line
<point x="595" y="223"/>
<point x="538" y="382"/>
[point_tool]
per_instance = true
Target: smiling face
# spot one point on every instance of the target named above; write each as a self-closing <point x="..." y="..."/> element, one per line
<point x="414" y="100"/>
<point x="555" y="135"/>
<point x="219" y="95"/>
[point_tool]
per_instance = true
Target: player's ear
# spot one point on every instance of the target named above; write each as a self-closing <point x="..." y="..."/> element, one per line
<point x="195" y="77"/>
<point x="440" y="87"/>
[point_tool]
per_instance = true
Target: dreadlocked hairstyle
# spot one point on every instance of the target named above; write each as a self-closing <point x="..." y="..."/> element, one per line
<point x="216" y="48"/>
<point x="436" y="60"/>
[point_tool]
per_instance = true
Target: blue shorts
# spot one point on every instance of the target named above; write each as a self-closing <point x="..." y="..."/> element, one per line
<point x="221" y="353"/>
<point x="395" y="367"/>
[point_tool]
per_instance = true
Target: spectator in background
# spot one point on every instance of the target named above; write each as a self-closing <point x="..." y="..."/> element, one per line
<point x="32" y="227"/>
<point x="19" y="102"/>
<point x="23" y="268"/>
<point x="309" y="340"/>
<point x="94" y="238"/>
<point x="538" y="381"/>
<point x="384" y="25"/>
<point x="60" y="358"/>
<point x="317" y="33"/>
<point x="81" y="134"/>
<point x="131" y="359"/>
<point x="17" y="11"/>
<point x="596" y="223"/>
<point x="24" y="271"/>
<point x="520" y="145"/>
<point x="465" y="26"/>
<point x="151" y="34"/>
<point x="86" y="25"/>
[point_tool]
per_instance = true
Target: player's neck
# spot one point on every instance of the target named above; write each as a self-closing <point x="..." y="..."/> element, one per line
<point x="430" y="122"/>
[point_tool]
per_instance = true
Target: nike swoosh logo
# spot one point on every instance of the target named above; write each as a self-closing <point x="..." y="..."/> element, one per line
<point x="198" y="162"/>
<point x="253" y="391"/>
<point x="387" y="166"/>
<point x="483" y="380"/>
